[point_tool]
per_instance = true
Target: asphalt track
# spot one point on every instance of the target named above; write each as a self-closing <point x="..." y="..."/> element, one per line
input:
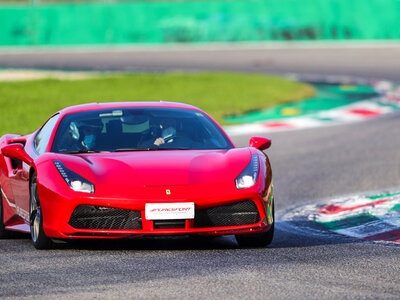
<point x="308" y="165"/>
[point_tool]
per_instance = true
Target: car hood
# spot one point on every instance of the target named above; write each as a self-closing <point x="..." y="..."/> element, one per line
<point x="159" y="168"/>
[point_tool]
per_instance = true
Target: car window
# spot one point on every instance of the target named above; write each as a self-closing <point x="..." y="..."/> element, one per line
<point x="136" y="128"/>
<point x="43" y="137"/>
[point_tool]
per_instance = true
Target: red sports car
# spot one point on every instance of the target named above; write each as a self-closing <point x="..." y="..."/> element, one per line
<point x="116" y="170"/>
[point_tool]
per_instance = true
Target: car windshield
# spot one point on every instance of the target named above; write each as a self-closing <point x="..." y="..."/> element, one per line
<point x="137" y="129"/>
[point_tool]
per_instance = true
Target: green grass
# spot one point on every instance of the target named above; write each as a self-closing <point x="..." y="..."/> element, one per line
<point x="26" y="105"/>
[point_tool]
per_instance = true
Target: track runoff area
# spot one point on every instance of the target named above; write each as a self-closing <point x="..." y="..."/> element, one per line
<point x="373" y="216"/>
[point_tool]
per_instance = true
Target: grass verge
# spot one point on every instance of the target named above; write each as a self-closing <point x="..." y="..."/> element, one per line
<point x="26" y="105"/>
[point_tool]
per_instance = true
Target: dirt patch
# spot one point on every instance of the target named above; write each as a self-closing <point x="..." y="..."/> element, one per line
<point x="23" y="75"/>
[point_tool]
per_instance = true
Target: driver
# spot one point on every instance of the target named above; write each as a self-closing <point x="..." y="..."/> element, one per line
<point x="90" y="130"/>
<point x="168" y="131"/>
<point x="160" y="132"/>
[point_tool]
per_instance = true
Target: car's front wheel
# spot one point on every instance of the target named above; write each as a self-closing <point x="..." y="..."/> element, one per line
<point x="3" y="232"/>
<point x="39" y="239"/>
<point x="261" y="239"/>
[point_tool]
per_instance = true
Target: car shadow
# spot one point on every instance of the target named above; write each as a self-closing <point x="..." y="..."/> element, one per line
<point x="150" y="243"/>
<point x="287" y="235"/>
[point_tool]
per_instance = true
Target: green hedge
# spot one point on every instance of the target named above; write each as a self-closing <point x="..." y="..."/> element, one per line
<point x="198" y="21"/>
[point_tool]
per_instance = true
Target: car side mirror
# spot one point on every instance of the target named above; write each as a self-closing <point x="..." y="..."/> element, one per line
<point x="260" y="143"/>
<point x="16" y="151"/>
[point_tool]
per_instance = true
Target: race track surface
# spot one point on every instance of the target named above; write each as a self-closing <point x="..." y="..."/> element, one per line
<point x="308" y="165"/>
<point x="380" y="61"/>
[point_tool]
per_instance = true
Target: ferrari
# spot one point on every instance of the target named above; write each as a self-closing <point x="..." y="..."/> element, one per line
<point x="130" y="169"/>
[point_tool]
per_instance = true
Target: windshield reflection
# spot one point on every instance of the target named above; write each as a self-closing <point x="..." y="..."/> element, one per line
<point x="137" y="129"/>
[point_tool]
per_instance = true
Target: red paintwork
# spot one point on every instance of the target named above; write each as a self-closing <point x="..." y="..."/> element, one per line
<point x="365" y="113"/>
<point x="129" y="180"/>
<point x="17" y="150"/>
<point x="277" y="124"/>
<point x="392" y="235"/>
<point x="334" y="209"/>
<point x="260" y="143"/>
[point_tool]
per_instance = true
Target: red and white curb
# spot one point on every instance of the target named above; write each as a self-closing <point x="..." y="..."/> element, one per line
<point x="388" y="102"/>
<point x="373" y="216"/>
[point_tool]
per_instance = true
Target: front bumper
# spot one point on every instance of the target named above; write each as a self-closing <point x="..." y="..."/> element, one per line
<point x="96" y="217"/>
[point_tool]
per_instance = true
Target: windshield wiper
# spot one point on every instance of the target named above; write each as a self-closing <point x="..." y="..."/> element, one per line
<point x="147" y="149"/>
<point x="80" y="151"/>
<point x="174" y="148"/>
<point x="135" y="149"/>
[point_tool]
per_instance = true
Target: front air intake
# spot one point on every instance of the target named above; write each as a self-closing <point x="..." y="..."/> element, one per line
<point x="101" y="217"/>
<point x="235" y="214"/>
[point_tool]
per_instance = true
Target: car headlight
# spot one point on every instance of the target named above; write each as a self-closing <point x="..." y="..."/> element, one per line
<point x="248" y="177"/>
<point x="74" y="180"/>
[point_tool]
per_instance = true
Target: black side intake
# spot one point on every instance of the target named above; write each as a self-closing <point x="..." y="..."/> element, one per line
<point x="238" y="213"/>
<point x="101" y="217"/>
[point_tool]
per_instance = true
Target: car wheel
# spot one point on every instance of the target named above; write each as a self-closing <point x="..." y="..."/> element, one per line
<point x="3" y="233"/>
<point x="257" y="239"/>
<point x="39" y="239"/>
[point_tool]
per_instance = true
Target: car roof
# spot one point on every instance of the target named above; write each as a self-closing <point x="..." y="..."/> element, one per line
<point x="108" y="105"/>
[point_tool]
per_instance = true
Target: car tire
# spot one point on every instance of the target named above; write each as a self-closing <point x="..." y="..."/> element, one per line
<point x="255" y="240"/>
<point x="3" y="232"/>
<point x="39" y="238"/>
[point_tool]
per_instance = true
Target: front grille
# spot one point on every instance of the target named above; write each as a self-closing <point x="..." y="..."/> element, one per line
<point x="169" y="224"/>
<point x="235" y="214"/>
<point x="100" y="217"/>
